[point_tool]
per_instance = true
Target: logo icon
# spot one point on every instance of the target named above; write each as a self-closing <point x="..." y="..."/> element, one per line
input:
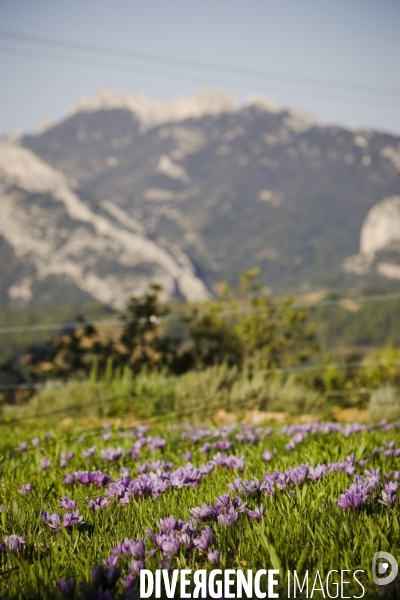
<point x="386" y="561"/>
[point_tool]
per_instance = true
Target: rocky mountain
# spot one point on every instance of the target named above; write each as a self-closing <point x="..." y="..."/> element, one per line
<point x="195" y="191"/>
<point x="55" y="248"/>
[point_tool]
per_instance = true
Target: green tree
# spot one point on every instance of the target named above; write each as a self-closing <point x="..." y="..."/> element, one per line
<point x="141" y="344"/>
<point x="243" y="324"/>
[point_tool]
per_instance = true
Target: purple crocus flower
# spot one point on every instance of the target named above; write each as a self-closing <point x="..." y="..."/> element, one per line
<point x="128" y="582"/>
<point x="238" y="505"/>
<point x="45" y="463"/>
<point x="157" y="442"/>
<point x="69" y="479"/>
<point x="170" y="548"/>
<point x="67" y="586"/>
<point x="205" y="540"/>
<point x="315" y="473"/>
<point x="23" y="447"/>
<point x="187" y="456"/>
<point x="223" y="501"/>
<point x="3" y="508"/>
<point x="89" y="452"/>
<point x="256" y="514"/>
<point x="228" y="519"/>
<point x="125" y="472"/>
<point x="290" y="445"/>
<point x="135" y="566"/>
<point x="389" y="494"/>
<point x="98" y="503"/>
<point x="353" y="497"/>
<point x="98" y="478"/>
<point x="231" y="462"/>
<point x="83" y="477"/>
<point x="25" y="488"/>
<point x="111" y="454"/>
<point x="201" y="512"/>
<point x="166" y="566"/>
<point x="298" y="474"/>
<point x="105" y="578"/>
<point x="14" y="542"/>
<point x="138" y="549"/>
<point x="213" y="556"/>
<point x="267" y="455"/>
<point x="65" y="458"/>
<point x="67" y="503"/>
<point x="71" y="519"/>
<point x="35" y="441"/>
<point x="206" y="448"/>
<point x="52" y="520"/>
<point x="223" y="445"/>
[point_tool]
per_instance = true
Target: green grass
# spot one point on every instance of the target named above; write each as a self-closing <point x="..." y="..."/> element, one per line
<point x="307" y="531"/>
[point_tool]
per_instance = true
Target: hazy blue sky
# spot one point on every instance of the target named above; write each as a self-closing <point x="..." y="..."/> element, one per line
<point x="351" y="41"/>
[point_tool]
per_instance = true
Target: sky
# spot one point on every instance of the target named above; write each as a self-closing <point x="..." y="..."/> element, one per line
<point x="337" y="59"/>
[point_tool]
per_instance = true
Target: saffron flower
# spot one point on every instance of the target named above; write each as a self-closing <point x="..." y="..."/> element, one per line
<point x="25" y="488"/>
<point x="65" y="458"/>
<point x="98" y="504"/>
<point x="205" y="540"/>
<point x="354" y="497"/>
<point x="267" y="455"/>
<point x="67" y="503"/>
<point x="52" y="520"/>
<point x="14" y="542"/>
<point x="89" y="452"/>
<point x="256" y="514"/>
<point x="68" y="479"/>
<point x="72" y="519"/>
<point x="67" y="586"/>
<point x="135" y="566"/>
<point x="111" y="454"/>
<point x="389" y="494"/>
<point x="315" y="473"/>
<point x="45" y="463"/>
<point x="105" y="578"/>
<point x="213" y="557"/>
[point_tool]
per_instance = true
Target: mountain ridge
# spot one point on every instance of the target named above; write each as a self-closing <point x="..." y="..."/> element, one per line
<point x="222" y="187"/>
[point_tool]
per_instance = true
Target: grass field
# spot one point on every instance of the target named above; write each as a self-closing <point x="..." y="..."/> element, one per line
<point x="292" y="519"/>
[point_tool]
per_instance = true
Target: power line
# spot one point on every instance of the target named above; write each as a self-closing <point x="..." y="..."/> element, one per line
<point x="178" y="316"/>
<point x="325" y="366"/>
<point x="186" y="410"/>
<point x="154" y="70"/>
<point x="336" y="95"/>
<point x="191" y="64"/>
<point x="65" y="409"/>
<point x="276" y="371"/>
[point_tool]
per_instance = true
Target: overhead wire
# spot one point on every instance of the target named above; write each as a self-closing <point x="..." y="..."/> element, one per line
<point x="186" y="315"/>
<point x="389" y="102"/>
<point x="150" y="69"/>
<point x="192" y="63"/>
<point x="178" y="412"/>
<point x="302" y="368"/>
